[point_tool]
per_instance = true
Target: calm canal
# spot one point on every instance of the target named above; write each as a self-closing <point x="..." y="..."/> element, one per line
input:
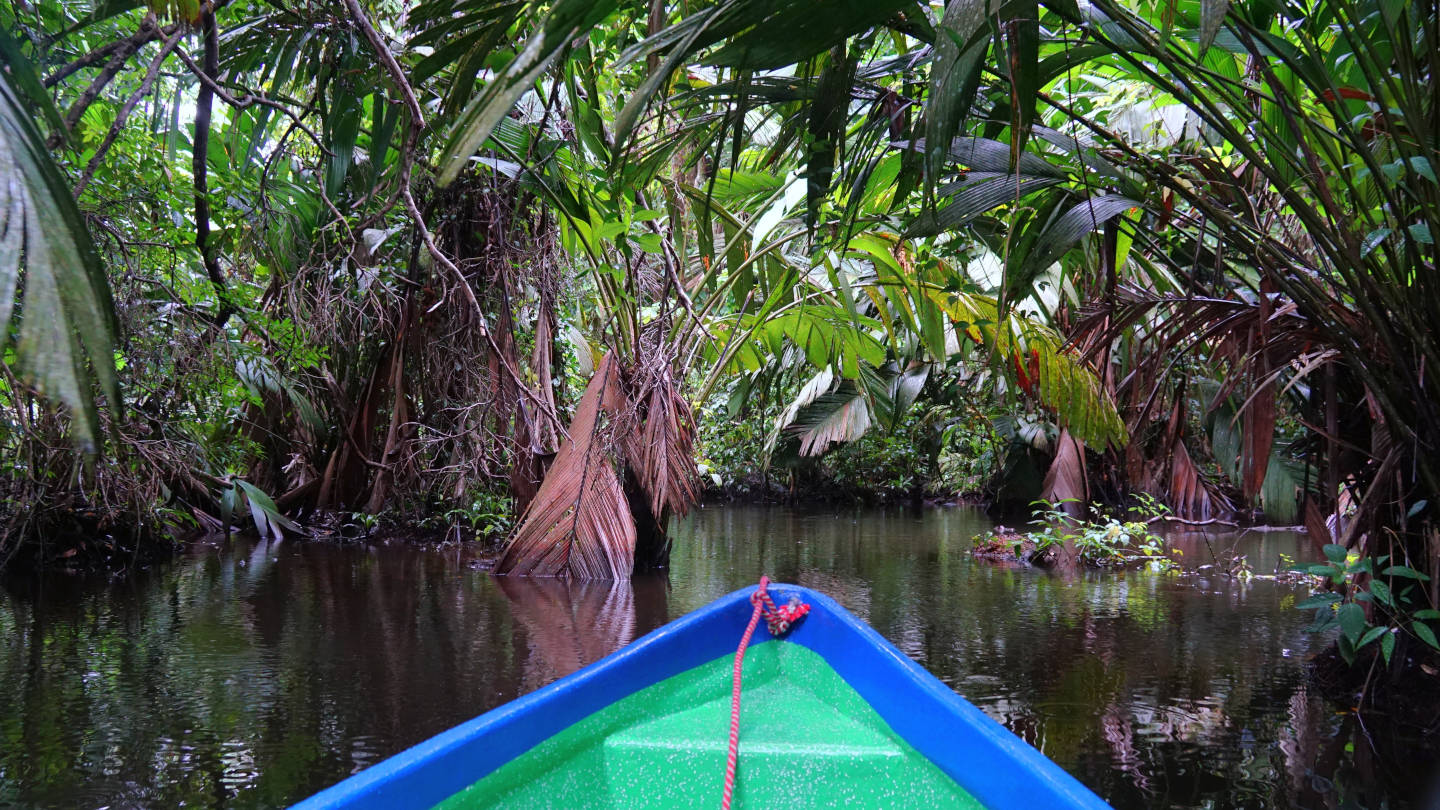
<point x="251" y="675"/>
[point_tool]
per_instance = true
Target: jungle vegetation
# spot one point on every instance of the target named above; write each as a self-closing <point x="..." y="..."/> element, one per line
<point x="298" y="264"/>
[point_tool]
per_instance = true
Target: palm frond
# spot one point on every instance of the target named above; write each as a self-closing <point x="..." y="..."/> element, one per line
<point x="661" y="452"/>
<point x="1066" y="482"/>
<point x="579" y="524"/>
<point x="51" y="280"/>
<point x="838" y="417"/>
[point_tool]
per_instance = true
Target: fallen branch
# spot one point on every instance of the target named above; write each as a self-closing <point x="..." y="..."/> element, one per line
<point x="1174" y="519"/>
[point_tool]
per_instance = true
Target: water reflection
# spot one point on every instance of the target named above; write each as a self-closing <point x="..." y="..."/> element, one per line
<point x="574" y="624"/>
<point x="255" y="674"/>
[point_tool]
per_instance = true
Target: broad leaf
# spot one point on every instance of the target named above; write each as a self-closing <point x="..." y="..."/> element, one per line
<point x="1212" y="15"/>
<point x="961" y="42"/>
<point x="1352" y="621"/>
<point x="1059" y="235"/>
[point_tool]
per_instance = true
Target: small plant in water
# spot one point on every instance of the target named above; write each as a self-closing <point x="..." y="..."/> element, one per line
<point x="1003" y="542"/>
<point x="365" y="522"/>
<point x="1106" y="541"/>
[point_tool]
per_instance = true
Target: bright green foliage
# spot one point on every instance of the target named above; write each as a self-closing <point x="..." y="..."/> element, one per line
<point x="941" y="449"/>
<point x="1103" y="541"/>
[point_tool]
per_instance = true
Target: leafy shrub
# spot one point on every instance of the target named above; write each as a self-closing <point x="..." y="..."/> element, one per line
<point x="1396" y="599"/>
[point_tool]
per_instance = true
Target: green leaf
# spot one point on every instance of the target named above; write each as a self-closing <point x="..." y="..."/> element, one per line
<point x="763" y="35"/>
<point x="229" y="500"/>
<point x="1404" y="571"/>
<point x="961" y="43"/>
<point x="1319" y="600"/>
<point x="1425" y="633"/>
<point x="1058" y="236"/>
<point x="27" y="81"/>
<point x="1022" y="39"/>
<point x="264" y="513"/>
<point x="1212" y="15"/>
<point x="1381" y="592"/>
<point x="342" y="126"/>
<point x="1373" y="239"/>
<point x="1427" y="613"/>
<point x="1370" y="635"/>
<point x="980" y="193"/>
<point x="841" y="416"/>
<point x="382" y="128"/>
<point x="1334" y="552"/>
<point x="1387" y="645"/>
<point x="826" y="128"/>
<point x="988" y="155"/>
<point x="695" y="26"/>
<point x="565" y="21"/>
<point x="1352" y="620"/>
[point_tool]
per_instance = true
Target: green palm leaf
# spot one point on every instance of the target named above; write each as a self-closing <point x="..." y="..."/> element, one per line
<point x="51" y="281"/>
<point x="565" y="20"/>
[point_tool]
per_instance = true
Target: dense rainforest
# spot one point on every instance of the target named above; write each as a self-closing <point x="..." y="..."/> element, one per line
<point x="550" y="272"/>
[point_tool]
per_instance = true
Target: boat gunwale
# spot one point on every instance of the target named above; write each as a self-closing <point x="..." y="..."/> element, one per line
<point x="986" y="759"/>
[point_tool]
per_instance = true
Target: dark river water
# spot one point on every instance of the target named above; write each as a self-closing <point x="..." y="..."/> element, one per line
<point x="247" y="675"/>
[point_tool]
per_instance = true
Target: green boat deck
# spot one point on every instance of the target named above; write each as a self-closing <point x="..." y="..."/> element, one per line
<point x="806" y="740"/>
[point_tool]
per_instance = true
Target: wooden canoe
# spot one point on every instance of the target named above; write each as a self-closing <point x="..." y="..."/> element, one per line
<point x="833" y="715"/>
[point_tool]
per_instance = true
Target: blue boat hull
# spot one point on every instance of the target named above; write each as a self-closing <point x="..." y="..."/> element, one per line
<point x="982" y="756"/>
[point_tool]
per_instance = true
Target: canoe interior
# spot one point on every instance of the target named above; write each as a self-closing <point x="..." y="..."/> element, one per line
<point x="807" y="739"/>
<point x="599" y="737"/>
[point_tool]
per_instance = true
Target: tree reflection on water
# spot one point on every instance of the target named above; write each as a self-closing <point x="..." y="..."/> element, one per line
<point x="255" y="674"/>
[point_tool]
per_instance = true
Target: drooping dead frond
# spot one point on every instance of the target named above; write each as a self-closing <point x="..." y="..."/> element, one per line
<point x="661" y="451"/>
<point x="1179" y="481"/>
<point x="579" y="524"/>
<point x="1065" y="481"/>
<point x="1186" y="491"/>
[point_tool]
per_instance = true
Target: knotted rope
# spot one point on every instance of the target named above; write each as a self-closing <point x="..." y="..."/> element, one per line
<point x="778" y="621"/>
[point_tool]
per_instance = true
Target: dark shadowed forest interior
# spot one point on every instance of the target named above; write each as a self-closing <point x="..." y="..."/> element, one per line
<point x="544" y="319"/>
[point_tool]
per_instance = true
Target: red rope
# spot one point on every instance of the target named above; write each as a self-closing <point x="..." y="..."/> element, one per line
<point x="733" y="757"/>
<point x="778" y="621"/>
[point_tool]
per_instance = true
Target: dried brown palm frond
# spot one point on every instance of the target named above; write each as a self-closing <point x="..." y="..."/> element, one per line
<point x="579" y="524"/>
<point x="1257" y="337"/>
<point x="1178" y="480"/>
<point x="661" y="450"/>
<point x="1187" y="492"/>
<point x="1065" y="481"/>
